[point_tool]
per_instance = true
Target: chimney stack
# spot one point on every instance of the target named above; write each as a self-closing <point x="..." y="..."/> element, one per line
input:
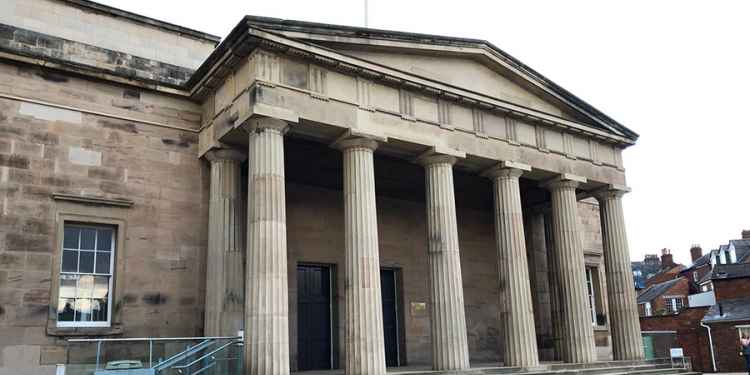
<point x="666" y="259"/>
<point x="696" y="252"/>
<point x="746" y="234"/>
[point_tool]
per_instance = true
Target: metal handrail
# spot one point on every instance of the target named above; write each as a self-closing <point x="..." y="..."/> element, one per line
<point x="206" y="355"/>
<point x="205" y="342"/>
<point x="156" y="338"/>
<point x="183" y="355"/>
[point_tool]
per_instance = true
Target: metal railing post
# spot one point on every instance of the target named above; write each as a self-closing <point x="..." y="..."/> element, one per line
<point x="98" y="352"/>
<point x="150" y="353"/>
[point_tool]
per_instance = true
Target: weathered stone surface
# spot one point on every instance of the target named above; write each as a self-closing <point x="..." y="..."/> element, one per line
<point x="626" y="336"/>
<point x="577" y="336"/>
<point x="365" y="348"/>
<point x="35" y="144"/>
<point x="19" y="356"/>
<point x="450" y="349"/>
<point x="516" y="313"/>
<point x="225" y="278"/>
<point x="266" y="291"/>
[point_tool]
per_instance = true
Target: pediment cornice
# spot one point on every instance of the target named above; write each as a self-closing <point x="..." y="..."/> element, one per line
<point x="239" y="44"/>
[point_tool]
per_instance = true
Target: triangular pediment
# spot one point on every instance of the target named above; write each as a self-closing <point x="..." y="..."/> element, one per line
<point x="473" y="65"/>
<point x="463" y="72"/>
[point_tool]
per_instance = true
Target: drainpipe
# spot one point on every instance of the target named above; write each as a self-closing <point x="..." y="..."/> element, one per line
<point x="711" y="345"/>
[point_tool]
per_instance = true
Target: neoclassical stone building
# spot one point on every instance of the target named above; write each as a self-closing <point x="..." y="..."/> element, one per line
<point x="352" y="198"/>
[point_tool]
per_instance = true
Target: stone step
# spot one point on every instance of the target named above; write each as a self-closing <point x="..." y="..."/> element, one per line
<point x="642" y="367"/>
<point x="635" y="369"/>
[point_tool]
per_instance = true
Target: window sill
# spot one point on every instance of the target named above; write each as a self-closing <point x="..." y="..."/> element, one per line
<point x="54" y="330"/>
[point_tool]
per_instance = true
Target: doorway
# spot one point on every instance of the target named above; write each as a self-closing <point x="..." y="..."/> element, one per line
<point x="392" y="323"/>
<point x="314" y="317"/>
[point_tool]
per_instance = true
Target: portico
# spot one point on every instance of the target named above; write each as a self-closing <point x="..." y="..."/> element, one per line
<point x="392" y="202"/>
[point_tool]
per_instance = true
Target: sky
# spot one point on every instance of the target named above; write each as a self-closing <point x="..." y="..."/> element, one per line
<point x="676" y="72"/>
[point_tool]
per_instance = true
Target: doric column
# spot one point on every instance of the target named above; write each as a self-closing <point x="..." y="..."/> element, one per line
<point x="517" y="315"/>
<point x="450" y="350"/>
<point x="554" y="288"/>
<point x="267" y="303"/>
<point x="577" y="336"/>
<point x="623" y="310"/>
<point x="539" y="267"/>
<point x="225" y="289"/>
<point x="363" y="337"/>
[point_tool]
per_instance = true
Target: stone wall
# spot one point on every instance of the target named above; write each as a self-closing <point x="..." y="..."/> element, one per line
<point x="75" y="20"/>
<point x="65" y="135"/>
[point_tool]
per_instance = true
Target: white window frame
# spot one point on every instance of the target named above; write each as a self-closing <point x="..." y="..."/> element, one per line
<point x="671" y="301"/>
<point x="111" y="274"/>
<point x="647" y="308"/>
<point x="591" y="293"/>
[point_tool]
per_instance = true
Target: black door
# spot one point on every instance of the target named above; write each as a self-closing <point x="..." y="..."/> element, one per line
<point x="390" y="316"/>
<point x="313" y="318"/>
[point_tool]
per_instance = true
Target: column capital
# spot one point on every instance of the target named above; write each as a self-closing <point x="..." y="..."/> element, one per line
<point x="218" y="154"/>
<point x="355" y="138"/>
<point x="439" y="154"/>
<point x="565" y="180"/>
<point x="259" y="124"/>
<point x="610" y="192"/>
<point x="505" y="169"/>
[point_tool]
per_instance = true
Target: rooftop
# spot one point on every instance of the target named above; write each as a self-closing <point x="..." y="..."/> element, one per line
<point x="657" y="290"/>
<point x="737" y="309"/>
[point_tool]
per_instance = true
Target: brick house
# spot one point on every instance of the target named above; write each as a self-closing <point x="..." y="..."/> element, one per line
<point x="687" y="334"/>
<point x="667" y="297"/>
<point x="654" y="269"/>
<point x="708" y="332"/>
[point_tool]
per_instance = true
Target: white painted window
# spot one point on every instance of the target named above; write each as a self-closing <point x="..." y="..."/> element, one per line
<point x="695" y="276"/>
<point x="673" y="305"/>
<point x="86" y="270"/>
<point x="647" y="308"/>
<point x="590" y="288"/>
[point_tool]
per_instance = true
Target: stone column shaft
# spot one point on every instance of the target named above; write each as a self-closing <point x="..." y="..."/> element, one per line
<point x="364" y="341"/>
<point x="517" y="314"/>
<point x="623" y="309"/>
<point x="267" y="303"/>
<point x="450" y="350"/>
<point x="225" y="277"/>
<point x="577" y="336"/>
<point x="554" y="289"/>
<point x="539" y="267"/>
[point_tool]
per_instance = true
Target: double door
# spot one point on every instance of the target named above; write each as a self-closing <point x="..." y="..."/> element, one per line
<point x="316" y="315"/>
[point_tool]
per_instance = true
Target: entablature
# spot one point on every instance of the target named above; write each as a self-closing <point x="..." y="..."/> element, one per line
<point x="326" y="102"/>
<point x="211" y="76"/>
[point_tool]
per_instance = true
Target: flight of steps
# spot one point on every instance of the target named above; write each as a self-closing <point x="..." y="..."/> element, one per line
<point x="642" y="367"/>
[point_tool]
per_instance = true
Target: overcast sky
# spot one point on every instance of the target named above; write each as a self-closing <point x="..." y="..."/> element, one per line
<point x="676" y="72"/>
